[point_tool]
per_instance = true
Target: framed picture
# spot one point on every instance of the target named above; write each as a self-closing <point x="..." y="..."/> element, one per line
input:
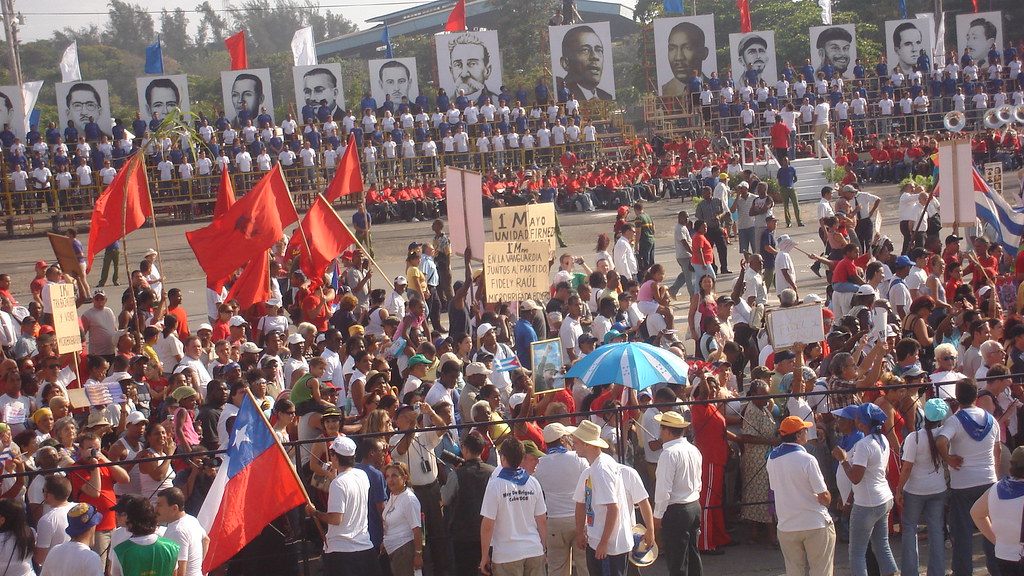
<point x="547" y="365"/>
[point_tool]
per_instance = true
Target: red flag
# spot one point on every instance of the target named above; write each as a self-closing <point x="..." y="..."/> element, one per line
<point x="326" y="235"/>
<point x="975" y="3"/>
<point x="236" y="47"/>
<point x="349" y="177"/>
<point x="248" y="228"/>
<point x="225" y="195"/>
<point x="253" y="284"/>
<point x="457" y="19"/>
<point x="121" y="209"/>
<point x="744" y="6"/>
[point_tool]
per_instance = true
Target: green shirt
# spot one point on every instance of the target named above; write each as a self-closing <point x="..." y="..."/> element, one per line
<point x="157" y="559"/>
<point x="300" y="391"/>
<point x="645" y="226"/>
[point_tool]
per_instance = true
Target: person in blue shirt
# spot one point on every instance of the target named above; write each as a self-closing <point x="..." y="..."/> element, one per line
<point x="882" y="69"/>
<point x="807" y="70"/>
<point x="71" y="133"/>
<point x="443" y="102"/>
<point x="787" y="182"/>
<point x="308" y="112"/>
<point x="367" y="102"/>
<point x="541" y="92"/>
<point x="371" y="456"/>
<point x="117" y="130"/>
<point x="525" y="334"/>
<point x="858" y="70"/>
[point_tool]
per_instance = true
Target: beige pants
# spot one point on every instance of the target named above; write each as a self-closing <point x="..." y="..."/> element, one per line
<point x="401" y="559"/>
<point x="526" y="567"/>
<point x="809" y="552"/>
<point x="820" y="130"/>
<point x="562" y="550"/>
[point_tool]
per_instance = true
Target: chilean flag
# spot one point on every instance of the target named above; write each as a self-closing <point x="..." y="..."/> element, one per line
<point x="255" y="484"/>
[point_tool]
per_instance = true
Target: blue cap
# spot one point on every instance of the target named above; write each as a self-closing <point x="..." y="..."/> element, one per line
<point x="871" y="414"/>
<point x="620" y="327"/>
<point x="902" y="261"/>
<point x="936" y="410"/>
<point x="848" y="412"/>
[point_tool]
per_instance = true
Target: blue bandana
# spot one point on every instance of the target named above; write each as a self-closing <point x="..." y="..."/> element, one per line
<point x="783" y="449"/>
<point x="974" y="430"/>
<point x="517" y="476"/>
<point x="1008" y="489"/>
<point x="558" y="450"/>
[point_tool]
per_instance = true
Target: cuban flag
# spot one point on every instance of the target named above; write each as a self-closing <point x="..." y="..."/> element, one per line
<point x="995" y="212"/>
<point x="256" y="483"/>
<point x="507" y="364"/>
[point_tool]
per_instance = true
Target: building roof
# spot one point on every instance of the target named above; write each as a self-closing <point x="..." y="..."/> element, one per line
<point x="430" y="18"/>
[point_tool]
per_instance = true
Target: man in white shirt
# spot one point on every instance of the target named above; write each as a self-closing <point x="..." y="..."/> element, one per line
<point x="513" y="526"/>
<point x="50" y="531"/>
<point x="183" y="529"/>
<point x="624" y="259"/>
<point x="347" y="546"/>
<point x="100" y="324"/>
<point x="570" y="331"/>
<point x="820" y="120"/>
<point x="677" y="495"/>
<point x="557" y="472"/>
<point x="76" y="557"/>
<point x="807" y="535"/>
<point x="601" y="500"/>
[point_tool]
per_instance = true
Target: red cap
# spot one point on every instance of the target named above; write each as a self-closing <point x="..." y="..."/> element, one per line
<point x="41" y="264"/>
<point x="45" y="329"/>
<point x="827" y="313"/>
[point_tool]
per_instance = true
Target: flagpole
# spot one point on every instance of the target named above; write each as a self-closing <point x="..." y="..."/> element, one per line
<point x="124" y="236"/>
<point x="291" y="201"/>
<point x="291" y="466"/>
<point x="364" y="251"/>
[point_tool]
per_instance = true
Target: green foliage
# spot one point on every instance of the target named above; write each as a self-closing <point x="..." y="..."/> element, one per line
<point x="130" y="27"/>
<point x="835" y="174"/>
<point x="917" y="180"/>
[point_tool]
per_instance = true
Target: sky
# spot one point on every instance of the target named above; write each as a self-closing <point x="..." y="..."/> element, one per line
<point x="44" y="16"/>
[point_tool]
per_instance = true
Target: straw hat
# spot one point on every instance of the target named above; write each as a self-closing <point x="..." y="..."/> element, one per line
<point x="590" y="433"/>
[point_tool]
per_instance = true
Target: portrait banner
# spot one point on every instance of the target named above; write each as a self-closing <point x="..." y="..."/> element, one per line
<point x="835" y="45"/>
<point x="12" y="110"/>
<point x="905" y="39"/>
<point x="581" y="60"/>
<point x="162" y="94"/>
<point x="246" y="89"/>
<point x="977" y="34"/>
<point x="682" y="45"/>
<point x="469" y="61"/>
<point x="753" y="52"/>
<point x="396" y="77"/>
<point x="317" y="86"/>
<point x="78" y="102"/>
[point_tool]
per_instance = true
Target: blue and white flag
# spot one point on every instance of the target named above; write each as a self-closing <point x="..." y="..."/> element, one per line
<point x="154" y="58"/>
<point x="507" y="364"/>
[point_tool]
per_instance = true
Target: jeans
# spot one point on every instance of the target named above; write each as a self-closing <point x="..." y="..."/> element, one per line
<point x="961" y="531"/>
<point x="932" y="507"/>
<point x="870" y="523"/>
<point x="685" y="277"/>
<point x="679" y="530"/>
<point x="746" y="236"/>
<point x="645" y="256"/>
<point x="699" y="271"/>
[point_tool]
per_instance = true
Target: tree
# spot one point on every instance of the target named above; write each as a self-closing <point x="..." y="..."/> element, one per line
<point x="269" y="26"/>
<point x="212" y="27"/>
<point x="130" y="27"/>
<point x="174" y="33"/>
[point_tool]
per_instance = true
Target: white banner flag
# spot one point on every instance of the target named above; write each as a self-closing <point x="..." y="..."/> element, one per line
<point x="303" y="47"/>
<point x="826" y="11"/>
<point x="69" y="69"/>
<point x="29" y="95"/>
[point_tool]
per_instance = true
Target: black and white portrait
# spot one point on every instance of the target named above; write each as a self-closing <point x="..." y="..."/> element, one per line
<point x="977" y="34"/>
<point x="12" y="110"/>
<point x="159" y="95"/>
<point x="581" y="60"/>
<point x="319" y="85"/>
<point x="753" y="58"/>
<point x="682" y="46"/>
<point x="247" y="90"/>
<point x="469" y="61"/>
<point x="905" y="39"/>
<point x="834" y="45"/>
<point x="84" y="102"/>
<point x="395" y="77"/>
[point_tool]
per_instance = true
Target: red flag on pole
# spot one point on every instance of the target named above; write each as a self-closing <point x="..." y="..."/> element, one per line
<point x="122" y="208"/>
<point x="744" y="6"/>
<point x="248" y="228"/>
<point x="975" y="3"/>
<point x="236" y="47"/>
<point x="225" y="195"/>
<point x="457" y="19"/>
<point x="253" y="284"/>
<point x="349" y="177"/>
<point x="326" y="235"/>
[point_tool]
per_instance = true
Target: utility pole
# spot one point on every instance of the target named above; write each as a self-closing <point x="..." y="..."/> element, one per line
<point x="11" y="33"/>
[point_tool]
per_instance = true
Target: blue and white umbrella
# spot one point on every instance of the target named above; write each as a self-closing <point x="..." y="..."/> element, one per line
<point x="634" y="364"/>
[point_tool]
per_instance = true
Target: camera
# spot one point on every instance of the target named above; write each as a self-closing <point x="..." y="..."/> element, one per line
<point x="211" y="462"/>
<point x="94" y="453"/>
<point x="451" y="459"/>
<point x="426" y="467"/>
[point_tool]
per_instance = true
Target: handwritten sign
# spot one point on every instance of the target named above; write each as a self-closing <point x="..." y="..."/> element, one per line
<point x="516" y="271"/>
<point x="530" y="223"/>
<point x="787" y="326"/>
<point x="465" y="211"/>
<point x="65" y="318"/>
<point x="100" y="394"/>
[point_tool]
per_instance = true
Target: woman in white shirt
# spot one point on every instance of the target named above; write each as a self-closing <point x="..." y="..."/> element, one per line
<point x="872" y="499"/>
<point x="922" y="491"/>
<point x="403" y="530"/>
<point x="997" y="513"/>
<point x="17" y="541"/>
<point x="168" y="348"/>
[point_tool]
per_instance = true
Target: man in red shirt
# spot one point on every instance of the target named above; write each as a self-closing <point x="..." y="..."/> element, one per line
<point x="780" y="138"/>
<point x="36" y="286"/>
<point x="96" y="486"/>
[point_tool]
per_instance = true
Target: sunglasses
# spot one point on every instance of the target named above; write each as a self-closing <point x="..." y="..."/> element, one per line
<point x="948" y="358"/>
